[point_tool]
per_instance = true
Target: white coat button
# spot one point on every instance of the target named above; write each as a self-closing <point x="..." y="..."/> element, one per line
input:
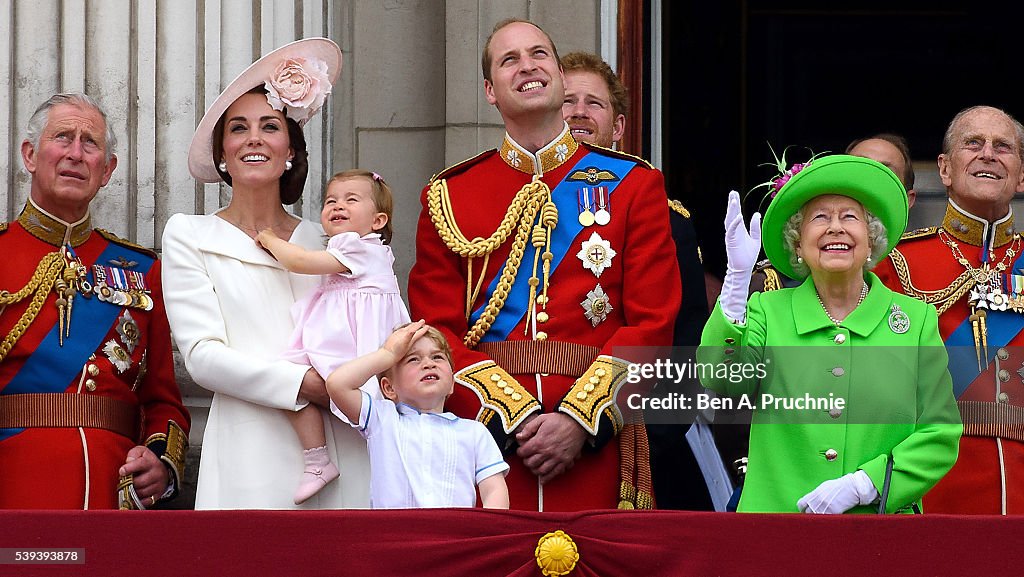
<point x="840" y="339"/>
<point x="831" y="455"/>
<point x="838" y="372"/>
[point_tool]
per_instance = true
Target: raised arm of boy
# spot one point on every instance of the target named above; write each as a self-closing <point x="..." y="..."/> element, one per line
<point x="299" y="259"/>
<point x="344" y="382"/>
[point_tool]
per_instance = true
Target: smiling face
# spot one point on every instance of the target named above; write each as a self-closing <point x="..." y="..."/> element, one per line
<point x="587" y="108"/>
<point x="525" y="74"/>
<point x="982" y="168"/>
<point x="349" y="207"/>
<point x="834" y="235"/>
<point x="69" y="165"/>
<point x="256" y="144"/>
<point x="422" y="378"/>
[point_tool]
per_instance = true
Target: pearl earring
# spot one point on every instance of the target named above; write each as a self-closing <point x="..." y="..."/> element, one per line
<point x="287" y="165"/>
<point x="800" y="259"/>
<point x="223" y="166"/>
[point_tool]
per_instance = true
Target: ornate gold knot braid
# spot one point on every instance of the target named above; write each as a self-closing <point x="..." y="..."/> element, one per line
<point x="942" y="298"/>
<point x="541" y="239"/>
<point x="43" y="279"/>
<point x="520" y="215"/>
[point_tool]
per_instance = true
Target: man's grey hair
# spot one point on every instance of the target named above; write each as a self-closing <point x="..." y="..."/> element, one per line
<point x="954" y="127"/>
<point x="876" y="238"/>
<point x="41" y="116"/>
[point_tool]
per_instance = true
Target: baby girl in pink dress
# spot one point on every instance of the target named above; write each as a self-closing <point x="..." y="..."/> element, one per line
<point x="356" y="307"/>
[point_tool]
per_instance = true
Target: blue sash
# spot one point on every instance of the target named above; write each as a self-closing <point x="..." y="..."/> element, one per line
<point x="565" y="196"/>
<point x="51" y="367"/>
<point x="1003" y="326"/>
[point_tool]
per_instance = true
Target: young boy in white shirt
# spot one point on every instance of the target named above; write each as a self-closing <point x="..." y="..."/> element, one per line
<point x="420" y="456"/>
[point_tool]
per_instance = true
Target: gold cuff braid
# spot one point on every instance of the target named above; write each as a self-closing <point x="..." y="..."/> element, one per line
<point x="594" y="394"/>
<point x="499" y="393"/>
<point x="171" y="449"/>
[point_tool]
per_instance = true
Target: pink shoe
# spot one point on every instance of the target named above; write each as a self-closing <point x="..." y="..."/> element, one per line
<point x="314" y="479"/>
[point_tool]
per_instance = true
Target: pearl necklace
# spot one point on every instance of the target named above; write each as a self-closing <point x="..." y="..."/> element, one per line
<point x="863" y="293"/>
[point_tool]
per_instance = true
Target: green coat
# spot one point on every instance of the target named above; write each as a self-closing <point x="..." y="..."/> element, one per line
<point x="896" y="387"/>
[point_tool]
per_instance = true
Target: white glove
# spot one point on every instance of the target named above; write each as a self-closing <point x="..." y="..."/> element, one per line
<point x="742" y="249"/>
<point x="837" y="496"/>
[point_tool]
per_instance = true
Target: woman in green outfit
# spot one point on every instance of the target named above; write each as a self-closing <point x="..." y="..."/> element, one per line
<point x="843" y="374"/>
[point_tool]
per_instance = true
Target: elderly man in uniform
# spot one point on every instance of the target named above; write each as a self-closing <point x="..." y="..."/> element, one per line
<point x="90" y="414"/>
<point x="540" y="262"/>
<point x="595" y="108"/>
<point x="970" y="268"/>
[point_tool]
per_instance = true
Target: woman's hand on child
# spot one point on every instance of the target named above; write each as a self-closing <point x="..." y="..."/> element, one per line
<point x="400" y="341"/>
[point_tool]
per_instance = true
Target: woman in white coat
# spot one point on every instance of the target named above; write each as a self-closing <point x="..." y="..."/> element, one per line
<point x="228" y="301"/>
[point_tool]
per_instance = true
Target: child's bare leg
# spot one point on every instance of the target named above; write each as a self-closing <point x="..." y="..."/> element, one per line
<point x="309" y="426"/>
<point x="318" y="470"/>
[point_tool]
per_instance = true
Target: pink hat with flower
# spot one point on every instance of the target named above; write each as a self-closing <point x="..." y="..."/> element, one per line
<point x="297" y="76"/>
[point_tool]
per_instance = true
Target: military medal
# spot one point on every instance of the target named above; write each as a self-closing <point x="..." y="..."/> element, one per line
<point x="117" y="356"/>
<point x="603" y="200"/>
<point x="899" y="322"/>
<point x="129" y="331"/>
<point x="596" y="254"/>
<point x="124" y="288"/>
<point x="596" y="306"/>
<point x="583" y="201"/>
<point x="1014" y="287"/>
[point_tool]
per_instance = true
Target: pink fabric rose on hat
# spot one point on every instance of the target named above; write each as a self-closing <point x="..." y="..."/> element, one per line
<point x="301" y="84"/>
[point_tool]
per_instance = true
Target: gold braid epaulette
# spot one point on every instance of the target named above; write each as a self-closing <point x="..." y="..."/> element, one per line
<point x="920" y="233"/>
<point x="42" y="281"/>
<point x="3" y="226"/>
<point x="772" y="282"/>
<point x="618" y="153"/>
<point x="678" y="207"/>
<point x="118" y="240"/>
<point x="942" y="298"/>
<point x="519" y="215"/>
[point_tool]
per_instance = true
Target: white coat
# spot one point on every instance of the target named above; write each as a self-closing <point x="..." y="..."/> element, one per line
<point x="228" y="303"/>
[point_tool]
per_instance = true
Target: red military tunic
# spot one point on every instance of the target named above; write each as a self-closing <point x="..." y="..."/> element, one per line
<point x="988" y="477"/>
<point x="564" y="357"/>
<point x="63" y="448"/>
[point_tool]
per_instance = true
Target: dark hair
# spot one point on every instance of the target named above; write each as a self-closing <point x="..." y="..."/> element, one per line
<point x="383" y="199"/>
<point x="293" y="181"/>
<point x="485" y="58"/>
<point x="901" y="144"/>
<point x="588" y="62"/>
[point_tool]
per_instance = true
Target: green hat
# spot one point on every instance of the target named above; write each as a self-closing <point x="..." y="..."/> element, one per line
<point x="868" y="182"/>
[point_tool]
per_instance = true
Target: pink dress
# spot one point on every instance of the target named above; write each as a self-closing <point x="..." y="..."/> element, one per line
<point x="349" y="314"/>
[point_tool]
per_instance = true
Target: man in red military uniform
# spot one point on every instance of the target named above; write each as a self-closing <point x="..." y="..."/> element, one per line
<point x="539" y="261"/>
<point x="970" y="268"/>
<point x="90" y="414"/>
